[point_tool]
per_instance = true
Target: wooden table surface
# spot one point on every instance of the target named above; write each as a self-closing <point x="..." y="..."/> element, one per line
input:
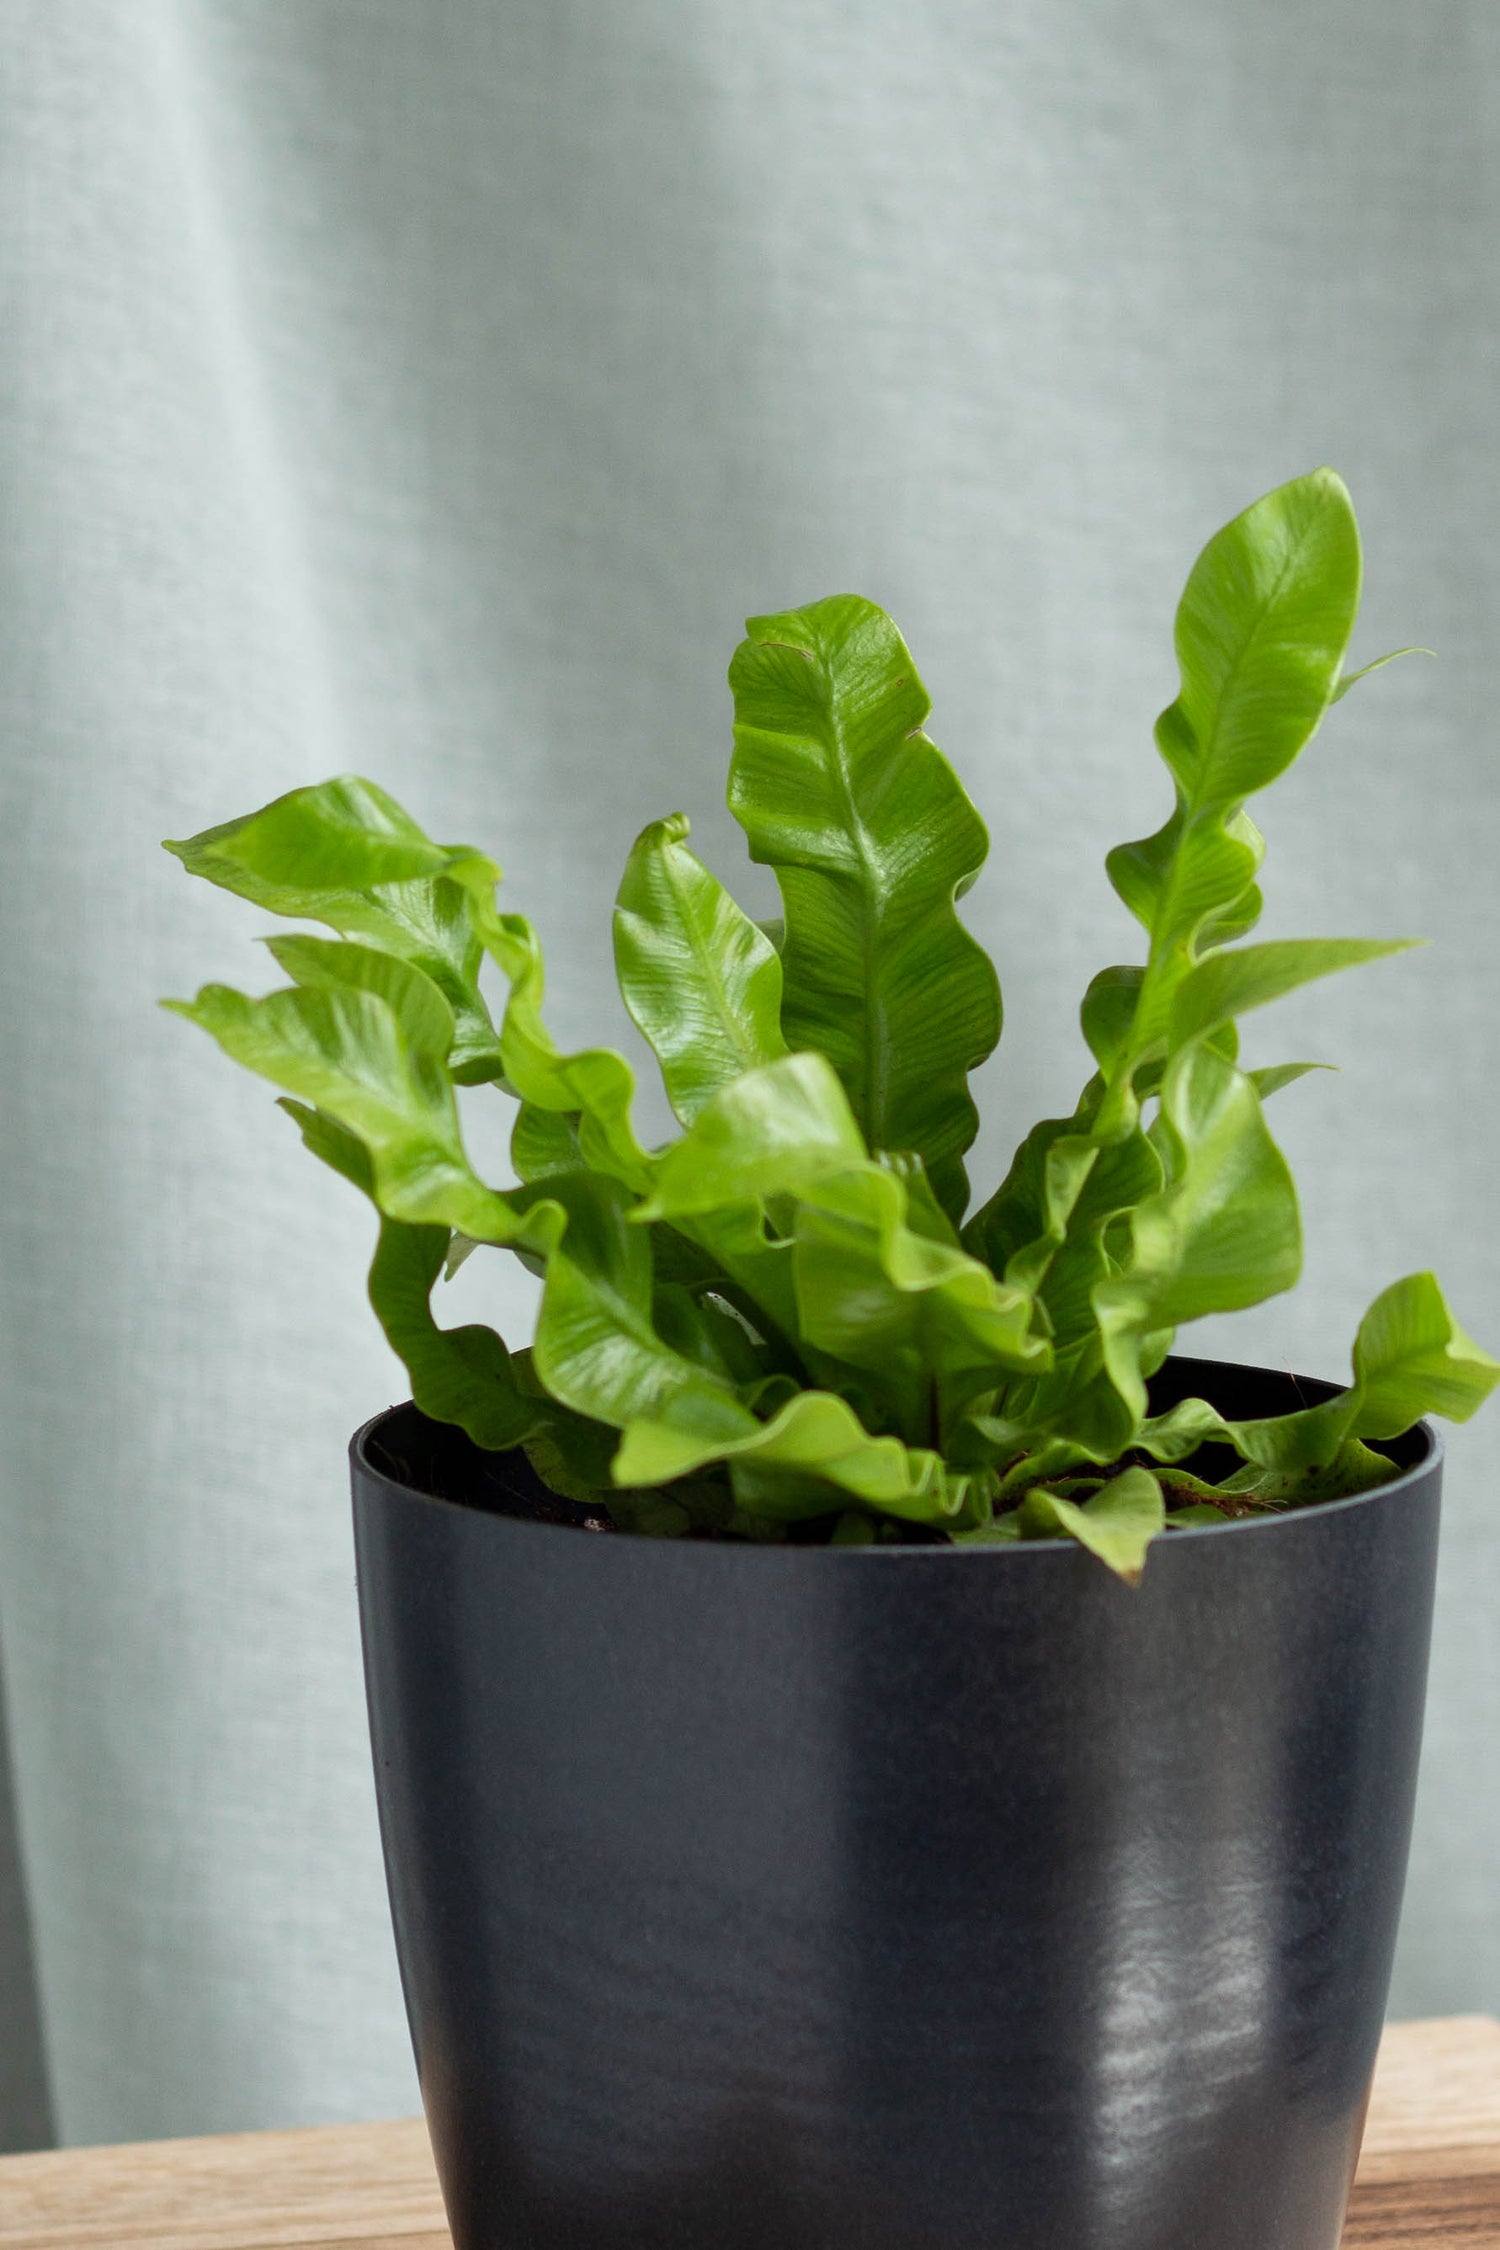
<point x="1429" y="2176"/>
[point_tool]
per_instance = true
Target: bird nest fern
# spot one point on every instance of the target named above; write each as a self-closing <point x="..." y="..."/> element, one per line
<point x="786" y="1320"/>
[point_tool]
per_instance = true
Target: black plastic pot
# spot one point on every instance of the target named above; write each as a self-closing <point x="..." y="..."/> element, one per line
<point x="909" y="1898"/>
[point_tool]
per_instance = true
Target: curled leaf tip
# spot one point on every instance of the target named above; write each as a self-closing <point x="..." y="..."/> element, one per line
<point x="672" y="828"/>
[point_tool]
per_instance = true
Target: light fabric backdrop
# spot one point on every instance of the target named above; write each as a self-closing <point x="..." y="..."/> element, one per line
<point x="431" y="391"/>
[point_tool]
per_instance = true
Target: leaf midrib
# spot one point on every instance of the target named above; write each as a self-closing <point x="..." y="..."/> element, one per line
<point x="1190" y="813"/>
<point x="876" y="1069"/>
<point x="739" y="1036"/>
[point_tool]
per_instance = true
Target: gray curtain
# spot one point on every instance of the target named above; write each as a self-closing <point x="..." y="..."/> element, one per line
<point x="431" y="391"/>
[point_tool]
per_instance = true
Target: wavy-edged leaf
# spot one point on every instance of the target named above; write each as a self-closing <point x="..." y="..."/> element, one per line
<point x="1020" y="1227"/>
<point x="1227" y="984"/>
<point x="769" y="1133"/>
<point x="873" y="839"/>
<point x="463" y="1375"/>
<point x="798" y="1463"/>
<point x="1224" y="1232"/>
<point x="1046" y="1225"/>
<point x="340" y="835"/>
<point x="594" y="1085"/>
<point x="775" y="1314"/>
<point x="865" y="1278"/>
<point x="597" y="1345"/>
<point x="1117" y="1524"/>
<point x="1353" y="1468"/>
<point x="1220" y="1232"/>
<point x="1057" y="1221"/>
<point x="701" y="981"/>
<point x="924" y="1214"/>
<point x="345" y="853"/>
<point x="1261" y="633"/>
<point x="873" y="1292"/>
<point x="1411" y="1358"/>
<point x="1107" y="1014"/>
<point x="348" y="1053"/>
<point x="334" y="965"/>
<point x="571" y="1454"/>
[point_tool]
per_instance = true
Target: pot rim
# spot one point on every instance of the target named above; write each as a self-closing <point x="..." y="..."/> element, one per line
<point x="1432" y="1458"/>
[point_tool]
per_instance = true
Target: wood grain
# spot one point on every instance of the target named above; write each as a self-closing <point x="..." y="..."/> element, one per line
<point x="1429" y="2176"/>
<point x="344" y="2187"/>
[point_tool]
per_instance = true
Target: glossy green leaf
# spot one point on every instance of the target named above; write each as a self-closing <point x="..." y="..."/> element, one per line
<point x="872" y="839"/>
<point x="701" y="981"/>
<point x="1227" y="984"/>
<point x="771" y="1132"/>
<point x="347" y="1053"/>
<point x="330" y="965"/>
<point x="703" y="1329"/>
<point x="772" y="1319"/>
<point x="1119" y="1257"/>
<point x="1107" y="1015"/>
<point x="1020" y="1228"/>
<point x="1276" y="1075"/>
<point x="874" y="1292"/>
<point x="924" y="1214"/>
<point x="1377" y="664"/>
<point x="463" y="1375"/>
<point x="1199" y="1216"/>
<point x="544" y="1142"/>
<point x="768" y="1134"/>
<point x="1117" y="1524"/>
<point x="739" y="1240"/>
<point x="1045" y="1227"/>
<point x="344" y="853"/>
<point x="1353" y="1468"/>
<point x="1411" y="1358"/>
<point x="597" y="1346"/>
<point x="1125" y="1176"/>
<point x="1222" y="1234"/>
<point x="333" y="1144"/>
<point x="338" y="835"/>
<point x="595" y="1085"/>
<point x="798" y="1463"/>
<point x="1260" y="637"/>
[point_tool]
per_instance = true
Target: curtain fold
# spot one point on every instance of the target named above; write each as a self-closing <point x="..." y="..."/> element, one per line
<point x="25" y="2105"/>
<point x="431" y="393"/>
